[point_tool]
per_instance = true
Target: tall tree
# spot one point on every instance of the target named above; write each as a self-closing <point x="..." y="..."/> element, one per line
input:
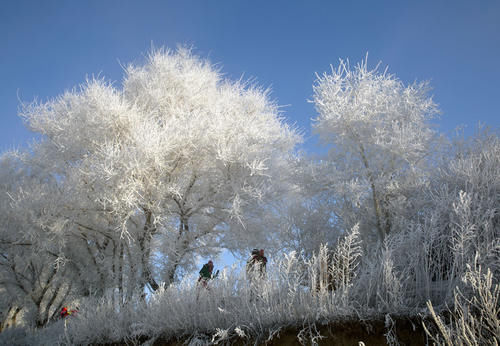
<point x="172" y="162"/>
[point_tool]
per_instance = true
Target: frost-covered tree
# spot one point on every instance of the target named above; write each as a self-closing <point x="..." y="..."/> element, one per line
<point x="171" y="164"/>
<point x="32" y="282"/>
<point x="379" y="135"/>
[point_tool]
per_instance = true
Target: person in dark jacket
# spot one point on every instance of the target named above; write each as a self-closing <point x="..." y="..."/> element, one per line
<point x="206" y="274"/>
<point x="256" y="265"/>
<point x="256" y="273"/>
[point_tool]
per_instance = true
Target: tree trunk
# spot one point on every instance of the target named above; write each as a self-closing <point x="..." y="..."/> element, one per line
<point x="132" y="284"/>
<point x="181" y="247"/>
<point x="376" y="202"/>
<point x="10" y="319"/>
<point x="41" y="314"/>
<point x="120" y="275"/>
<point x="145" y="247"/>
<point x="61" y="300"/>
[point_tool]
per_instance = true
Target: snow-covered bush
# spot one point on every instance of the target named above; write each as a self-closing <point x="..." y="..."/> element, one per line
<point x="474" y="319"/>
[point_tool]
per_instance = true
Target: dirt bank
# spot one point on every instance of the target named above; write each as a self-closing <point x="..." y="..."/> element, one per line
<point x="371" y="333"/>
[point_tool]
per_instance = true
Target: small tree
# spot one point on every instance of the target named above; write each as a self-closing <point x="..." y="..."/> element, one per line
<point x="379" y="135"/>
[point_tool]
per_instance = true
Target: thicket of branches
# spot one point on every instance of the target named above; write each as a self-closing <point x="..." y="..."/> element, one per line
<point x="128" y="187"/>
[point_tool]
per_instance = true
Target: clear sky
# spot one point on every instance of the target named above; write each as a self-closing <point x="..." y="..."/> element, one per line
<point x="49" y="46"/>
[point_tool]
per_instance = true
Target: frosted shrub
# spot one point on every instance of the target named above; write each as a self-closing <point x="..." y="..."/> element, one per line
<point x="98" y="320"/>
<point x="378" y="289"/>
<point x="346" y="259"/>
<point x="474" y="320"/>
<point x="458" y="217"/>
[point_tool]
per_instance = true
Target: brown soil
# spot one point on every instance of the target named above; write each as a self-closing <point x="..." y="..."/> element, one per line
<point x="352" y="333"/>
<point x="370" y="333"/>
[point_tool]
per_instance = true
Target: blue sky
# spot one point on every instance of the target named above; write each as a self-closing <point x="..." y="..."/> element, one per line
<point x="49" y="46"/>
